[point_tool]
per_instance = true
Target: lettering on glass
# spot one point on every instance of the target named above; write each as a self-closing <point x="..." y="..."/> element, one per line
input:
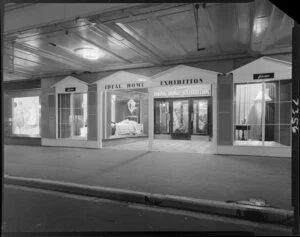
<point x="295" y="116"/>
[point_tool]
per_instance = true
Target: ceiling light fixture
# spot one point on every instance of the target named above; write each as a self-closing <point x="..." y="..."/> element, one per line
<point x="89" y="53"/>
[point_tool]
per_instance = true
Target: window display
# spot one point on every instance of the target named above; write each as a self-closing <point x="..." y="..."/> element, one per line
<point x="263" y="113"/>
<point x="181" y="116"/>
<point x="124" y="113"/>
<point x="162" y="116"/>
<point x="26" y="116"/>
<point x="200" y="119"/>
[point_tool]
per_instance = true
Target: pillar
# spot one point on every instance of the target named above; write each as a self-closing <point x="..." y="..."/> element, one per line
<point x="151" y="119"/>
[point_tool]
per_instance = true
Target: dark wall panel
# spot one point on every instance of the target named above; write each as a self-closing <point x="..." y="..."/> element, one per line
<point x="225" y="110"/>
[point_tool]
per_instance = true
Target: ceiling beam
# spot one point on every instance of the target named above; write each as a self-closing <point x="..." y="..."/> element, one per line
<point x="174" y="41"/>
<point x="115" y="38"/>
<point x="32" y="61"/>
<point x="266" y="39"/>
<point x="210" y="36"/>
<point x="52" y="56"/>
<point x="138" y="42"/>
<point x="137" y="16"/>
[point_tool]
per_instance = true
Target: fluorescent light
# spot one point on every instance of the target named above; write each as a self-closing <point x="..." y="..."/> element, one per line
<point x="89" y="53"/>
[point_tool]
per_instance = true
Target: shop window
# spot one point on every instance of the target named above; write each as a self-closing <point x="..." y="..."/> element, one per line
<point x="263" y="113"/>
<point x="162" y="117"/>
<point x="181" y="116"/>
<point x="72" y="115"/>
<point x="26" y="114"/>
<point x="126" y="113"/>
<point x="200" y="116"/>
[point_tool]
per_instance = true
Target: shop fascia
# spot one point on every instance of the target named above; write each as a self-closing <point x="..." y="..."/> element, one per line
<point x="136" y="85"/>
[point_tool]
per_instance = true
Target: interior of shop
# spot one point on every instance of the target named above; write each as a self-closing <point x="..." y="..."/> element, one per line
<point x="126" y="114"/>
<point x="263" y="113"/>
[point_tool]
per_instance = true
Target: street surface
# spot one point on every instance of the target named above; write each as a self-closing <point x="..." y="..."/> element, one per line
<point x="203" y="176"/>
<point x="34" y="210"/>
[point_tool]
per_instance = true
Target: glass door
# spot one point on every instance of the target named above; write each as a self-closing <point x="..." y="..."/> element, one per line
<point x="79" y="125"/>
<point x="72" y="115"/>
<point x="180" y="116"/>
<point x="200" y="117"/>
<point x="162" y="117"/>
<point x="64" y="115"/>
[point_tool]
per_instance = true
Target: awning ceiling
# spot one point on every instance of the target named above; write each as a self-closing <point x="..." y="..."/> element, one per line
<point x="146" y="35"/>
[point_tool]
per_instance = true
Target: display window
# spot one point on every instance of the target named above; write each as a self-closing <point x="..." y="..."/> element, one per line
<point x="263" y="113"/>
<point x="182" y="115"/>
<point x="126" y="113"/>
<point x="72" y="115"/>
<point x="26" y="115"/>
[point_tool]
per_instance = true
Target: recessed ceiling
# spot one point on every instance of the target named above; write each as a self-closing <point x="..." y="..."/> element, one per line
<point x="148" y="35"/>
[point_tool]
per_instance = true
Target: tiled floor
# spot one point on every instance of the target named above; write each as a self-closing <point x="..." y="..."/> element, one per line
<point x="168" y="146"/>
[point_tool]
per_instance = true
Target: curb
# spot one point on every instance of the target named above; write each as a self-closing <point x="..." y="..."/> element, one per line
<point x="258" y="214"/>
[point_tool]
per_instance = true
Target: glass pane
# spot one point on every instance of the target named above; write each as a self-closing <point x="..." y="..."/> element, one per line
<point x="272" y="113"/>
<point x="162" y="117"/>
<point x="200" y="120"/>
<point x="272" y="133"/>
<point x="272" y="91"/>
<point x="64" y="118"/>
<point x="26" y="116"/>
<point x="80" y="115"/>
<point x="254" y="134"/>
<point x="180" y="116"/>
<point x="127" y="113"/>
<point x="248" y="103"/>
<point x="285" y="112"/>
<point x="285" y="90"/>
<point x="285" y="135"/>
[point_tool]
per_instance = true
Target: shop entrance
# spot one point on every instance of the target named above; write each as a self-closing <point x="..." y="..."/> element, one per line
<point x="183" y="116"/>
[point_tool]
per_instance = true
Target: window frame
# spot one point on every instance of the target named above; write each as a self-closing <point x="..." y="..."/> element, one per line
<point x="263" y="124"/>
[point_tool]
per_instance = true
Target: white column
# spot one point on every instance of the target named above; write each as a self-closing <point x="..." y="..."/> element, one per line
<point x="150" y="119"/>
<point x="214" y="117"/>
<point x="100" y="117"/>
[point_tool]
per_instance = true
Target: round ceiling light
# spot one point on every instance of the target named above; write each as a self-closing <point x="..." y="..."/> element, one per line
<point x="89" y="53"/>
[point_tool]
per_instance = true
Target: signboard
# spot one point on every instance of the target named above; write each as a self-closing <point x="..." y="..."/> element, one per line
<point x="261" y="76"/>
<point x="199" y="91"/>
<point x="70" y="89"/>
<point x="181" y="82"/>
<point x="134" y="85"/>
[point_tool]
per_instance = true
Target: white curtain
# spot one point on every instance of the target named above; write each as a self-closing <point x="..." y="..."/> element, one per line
<point x="249" y="109"/>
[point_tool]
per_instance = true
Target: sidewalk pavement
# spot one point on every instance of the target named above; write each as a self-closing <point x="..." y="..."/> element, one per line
<point x="201" y="176"/>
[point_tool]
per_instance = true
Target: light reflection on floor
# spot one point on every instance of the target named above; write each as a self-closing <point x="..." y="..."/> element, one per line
<point x="168" y="146"/>
<point x="259" y="143"/>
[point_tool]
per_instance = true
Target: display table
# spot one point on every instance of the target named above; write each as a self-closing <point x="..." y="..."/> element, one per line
<point x="242" y="127"/>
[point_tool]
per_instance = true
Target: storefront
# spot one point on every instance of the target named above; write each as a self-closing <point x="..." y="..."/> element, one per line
<point x="123" y="106"/>
<point x="261" y="115"/>
<point x="185" y="102"/>
<point x="70" y="113"/>
<point x="22" y="114"/>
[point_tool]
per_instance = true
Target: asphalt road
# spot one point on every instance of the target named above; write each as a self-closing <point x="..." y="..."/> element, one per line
<point x="33" y="210"/>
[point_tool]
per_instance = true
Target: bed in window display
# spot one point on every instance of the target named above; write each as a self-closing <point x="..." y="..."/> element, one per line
<point x="130" y="124"/>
